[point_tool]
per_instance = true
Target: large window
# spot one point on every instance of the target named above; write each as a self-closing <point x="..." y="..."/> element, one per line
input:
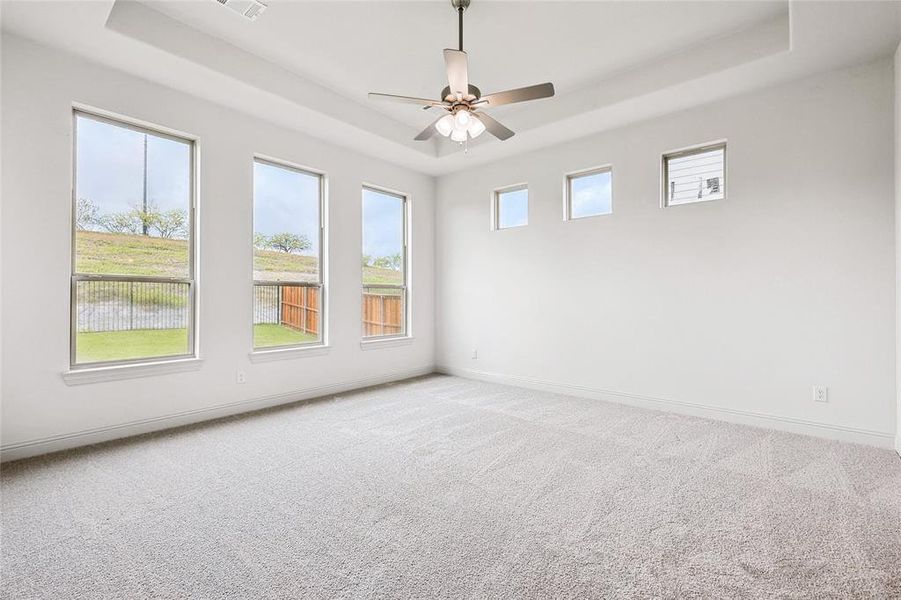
<point x="287" y="256"/>
<point x="133" y="255"/>
<point x="589" y="193"/>
<point x="695" y="175"/>
<point x="510" y="207"/>
<point x="384" y="261"/>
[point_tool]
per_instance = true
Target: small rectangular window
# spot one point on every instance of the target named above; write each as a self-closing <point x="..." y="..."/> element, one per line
<point x="384" y="264"/>
<point x="287" y="256"/>
<point x="695" y="175"/>
<point x="132" y="296"/>
<point x="589" y="193"/>
<point x="511" y="207"/>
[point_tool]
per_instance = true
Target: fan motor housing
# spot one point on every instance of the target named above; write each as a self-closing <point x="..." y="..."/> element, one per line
<point x="474" y="94"/>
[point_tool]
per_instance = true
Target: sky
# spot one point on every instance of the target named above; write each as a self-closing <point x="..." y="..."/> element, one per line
<point x="383" y="224"/>
<point x="513" y="208"/>
<point x="286" y="201"/>
<point x="591" y="195"/>
<point x="110" y="168"/>
<point x="110" y="173"/>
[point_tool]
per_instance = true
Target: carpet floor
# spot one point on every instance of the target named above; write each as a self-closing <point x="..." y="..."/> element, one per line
<point x="442" y="487"/>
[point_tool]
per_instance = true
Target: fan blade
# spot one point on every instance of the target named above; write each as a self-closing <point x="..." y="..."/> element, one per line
<point x="457" y="71"/>
<point x="405" y="99"/>
<point x="428" y="131"/>
<point x="493" y="127"/>
<point x="533" y="92"/>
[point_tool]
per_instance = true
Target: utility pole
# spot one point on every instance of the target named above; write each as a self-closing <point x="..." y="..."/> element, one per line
<point x="144" y="203"/>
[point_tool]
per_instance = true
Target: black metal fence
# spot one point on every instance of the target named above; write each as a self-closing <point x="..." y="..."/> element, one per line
<point x="103" y="305"/>
<point x="267" y="301"/>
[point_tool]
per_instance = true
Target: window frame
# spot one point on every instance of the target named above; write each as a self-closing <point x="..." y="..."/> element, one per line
<point x="568" y="191"/>
<point x="76" y="277"/>
<point x="496" y="205"/>
<point x="689" y="151"/>
<point x="321" y="284"/>
<point x="405" y="286"/>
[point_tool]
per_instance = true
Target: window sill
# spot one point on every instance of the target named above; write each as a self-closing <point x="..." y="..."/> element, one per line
<point x="133" y="371"/>
<point x="391" y="342"/>
<point x="260" y="356"/>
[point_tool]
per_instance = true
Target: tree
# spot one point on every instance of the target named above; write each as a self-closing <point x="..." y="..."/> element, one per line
<point x="172" y="223"/>
<point x="145" y="217"/>
<point x="260" y="240"/>
<point x="367" y="260"/>
<point x="86" y="214"/>
<point x="289" y="242"/>
<point x="396" y="261"/>
<point x="127" y="222"/>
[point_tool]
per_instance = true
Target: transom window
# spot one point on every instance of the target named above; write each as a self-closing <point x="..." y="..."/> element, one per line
<point x="511" y="207"/>
<point x="589" y="193"/>
<point x="384" y="263"/>
<point x="133" y="290"/>
<point x="695" y="175"/>
<point x="287" y="256"/>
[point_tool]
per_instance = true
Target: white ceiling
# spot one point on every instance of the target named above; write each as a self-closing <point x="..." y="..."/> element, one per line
<point x="309" y="65"/>
<point x="396" y="47"/>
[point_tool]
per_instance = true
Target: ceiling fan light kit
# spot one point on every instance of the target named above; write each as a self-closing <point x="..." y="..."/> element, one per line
<point x="463" y="102"/>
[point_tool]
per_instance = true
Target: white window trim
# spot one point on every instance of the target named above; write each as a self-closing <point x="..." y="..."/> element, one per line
<point x="688" y="151"/>
<point x="130" y="371"/>
<point x="268" y="353"/>
<point x="288" y="353"/>
<point x="129" y="368"/>
<point x="567" y="191"/>
<point x="382" y="341"/>
<point x="375" y="343"/>
<point x="495" y="205"/>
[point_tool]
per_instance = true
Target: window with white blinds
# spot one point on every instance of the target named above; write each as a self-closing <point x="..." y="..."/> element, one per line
<point x="695" y="175"/>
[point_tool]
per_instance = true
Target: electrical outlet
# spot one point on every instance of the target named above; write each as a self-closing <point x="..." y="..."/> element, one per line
<point x="241" y="377"/>
<point x="475" y="353"/>
<point x="820" y="393"/>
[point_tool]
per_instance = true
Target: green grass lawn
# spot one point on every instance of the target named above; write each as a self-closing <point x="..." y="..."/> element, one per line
<point x="124" y="345"/>
<point x="102" y="253"/>
<point x="270" y="334"/>
<point x="150" y="343"/>
<point x="122" y="254"/>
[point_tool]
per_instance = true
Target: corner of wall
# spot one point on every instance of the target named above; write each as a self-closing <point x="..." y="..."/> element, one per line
<point x="897" y="89"/>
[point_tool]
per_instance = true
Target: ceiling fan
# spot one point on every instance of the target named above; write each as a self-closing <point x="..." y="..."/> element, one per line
<point x="463" y="101"/>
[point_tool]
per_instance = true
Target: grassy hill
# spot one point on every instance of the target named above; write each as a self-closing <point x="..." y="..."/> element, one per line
<point x="123" y="254"/>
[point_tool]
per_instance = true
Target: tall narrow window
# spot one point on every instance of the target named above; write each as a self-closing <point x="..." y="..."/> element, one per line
<point x="511" y="207"/>
<point x="384" y="261"/>
<point x="695" y="175"/>
<point x="133" y="255"/>
<point x="589" y="193"/>
<point x="287" y="256"/>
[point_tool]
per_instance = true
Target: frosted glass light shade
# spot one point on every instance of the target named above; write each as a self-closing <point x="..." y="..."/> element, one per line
<point x="458" y="135"/>
<point x="476" y="127"/>
<point x="445" y="125"/>
<point x="462" y="119"/>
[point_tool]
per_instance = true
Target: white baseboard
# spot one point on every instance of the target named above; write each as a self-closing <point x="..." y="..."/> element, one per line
<point x="838" y="432"/>
<point x="35" y="447"/>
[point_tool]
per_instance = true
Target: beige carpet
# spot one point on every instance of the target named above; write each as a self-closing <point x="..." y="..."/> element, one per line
<point x="448" y="488"/>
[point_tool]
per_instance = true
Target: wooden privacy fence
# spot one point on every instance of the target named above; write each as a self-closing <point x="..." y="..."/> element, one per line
<point x="298" y="307"/>
<point x="383" y="314"/>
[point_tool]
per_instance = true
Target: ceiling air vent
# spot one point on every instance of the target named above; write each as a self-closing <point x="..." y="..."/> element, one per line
<point x="250" y="9"/>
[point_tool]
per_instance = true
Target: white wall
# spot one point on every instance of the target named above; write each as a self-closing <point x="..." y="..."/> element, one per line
<point x="897" y="244"/>
<point x="39" y="87"/>
<point x="739" y="305"/>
